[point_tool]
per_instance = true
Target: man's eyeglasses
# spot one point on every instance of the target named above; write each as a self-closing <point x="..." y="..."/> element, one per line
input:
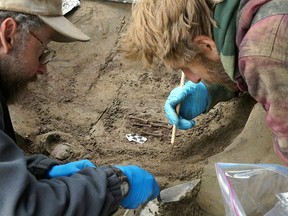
<point x="47" y="54"/>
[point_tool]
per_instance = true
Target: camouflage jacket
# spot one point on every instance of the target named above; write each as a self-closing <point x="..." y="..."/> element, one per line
<point x="251" y="39"/>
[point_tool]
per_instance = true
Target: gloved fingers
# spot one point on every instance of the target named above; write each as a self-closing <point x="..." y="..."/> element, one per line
<point x="69" y="168"/>
<point x="176" y="96"/>
<point x="185" y="124"/>
<point x="171" y="114"/>
<point x="83" y="163"/>
<point x="60" y="170"/>
<point x="76" y="166"/>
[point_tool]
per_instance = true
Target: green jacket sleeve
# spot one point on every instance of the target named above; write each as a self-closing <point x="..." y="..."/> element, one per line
<point x="218" y="93"/>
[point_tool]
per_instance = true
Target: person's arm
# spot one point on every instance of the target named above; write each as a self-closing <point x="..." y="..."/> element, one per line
<point x="218" y="93"/>
<point x="89" y="192"/>
<point x="263" y="61"/>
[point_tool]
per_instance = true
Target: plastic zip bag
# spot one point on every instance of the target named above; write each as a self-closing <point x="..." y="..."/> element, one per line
<point x="253" y="189"/>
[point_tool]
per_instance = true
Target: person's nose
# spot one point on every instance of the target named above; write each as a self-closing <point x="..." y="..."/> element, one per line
<point x="42" y="69"/>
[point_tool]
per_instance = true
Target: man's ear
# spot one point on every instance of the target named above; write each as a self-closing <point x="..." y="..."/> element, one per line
<point x="8" y="29"/>
<point x="208" y="46"/>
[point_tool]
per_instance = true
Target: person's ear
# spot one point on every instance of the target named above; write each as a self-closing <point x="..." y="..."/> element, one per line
<point x="208" y="46"/>
<point x="8" y="29"/>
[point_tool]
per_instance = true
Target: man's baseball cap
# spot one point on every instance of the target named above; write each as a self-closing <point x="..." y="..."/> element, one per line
<point x="50" y="12"/>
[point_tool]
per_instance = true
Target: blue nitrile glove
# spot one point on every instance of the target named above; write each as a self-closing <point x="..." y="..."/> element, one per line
<point x="142" y="186"/>
<point x="194" y="100"/>
<point x="69" y="168"/>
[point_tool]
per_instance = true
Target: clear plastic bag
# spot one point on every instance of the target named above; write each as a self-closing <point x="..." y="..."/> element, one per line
<point x="253" y="189"/>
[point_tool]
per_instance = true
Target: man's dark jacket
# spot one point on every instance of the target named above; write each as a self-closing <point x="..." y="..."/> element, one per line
<point x="26" y="190"/>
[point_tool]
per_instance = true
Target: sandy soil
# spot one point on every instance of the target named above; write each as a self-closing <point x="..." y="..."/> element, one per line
<point x="92" y="97"/>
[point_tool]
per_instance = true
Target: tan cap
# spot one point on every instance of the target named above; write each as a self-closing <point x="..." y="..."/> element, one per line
<point x="50" y="12"/>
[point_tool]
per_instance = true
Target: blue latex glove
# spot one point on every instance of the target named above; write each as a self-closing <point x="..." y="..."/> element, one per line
<point x="142" y="186"/>
<point x="194" y="100"/>
<point x="69" y="168"/>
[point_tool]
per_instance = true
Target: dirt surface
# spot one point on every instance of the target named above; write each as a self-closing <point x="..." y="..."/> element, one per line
<point x="92" y="97"/>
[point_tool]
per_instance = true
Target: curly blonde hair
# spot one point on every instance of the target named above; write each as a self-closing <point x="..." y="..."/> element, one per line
<point x="164" y="30"/>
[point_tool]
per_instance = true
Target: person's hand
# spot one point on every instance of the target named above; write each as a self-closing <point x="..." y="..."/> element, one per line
<point x="142" y="186"/>
<point x="194" y="100"/>
<point x="69" y="168"/>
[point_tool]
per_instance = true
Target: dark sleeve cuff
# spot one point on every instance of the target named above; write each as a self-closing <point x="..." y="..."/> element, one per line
<point x="218" y="93"/>
<point x="114" y="194"/>
<point x="39" y="165"/>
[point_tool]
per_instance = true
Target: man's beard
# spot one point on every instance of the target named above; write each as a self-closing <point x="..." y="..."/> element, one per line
<point x="13" y="82"/>
<point x="217" y="74"/>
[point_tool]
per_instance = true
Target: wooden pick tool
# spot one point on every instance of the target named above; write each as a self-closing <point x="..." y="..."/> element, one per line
<point x="177" y="111"/>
